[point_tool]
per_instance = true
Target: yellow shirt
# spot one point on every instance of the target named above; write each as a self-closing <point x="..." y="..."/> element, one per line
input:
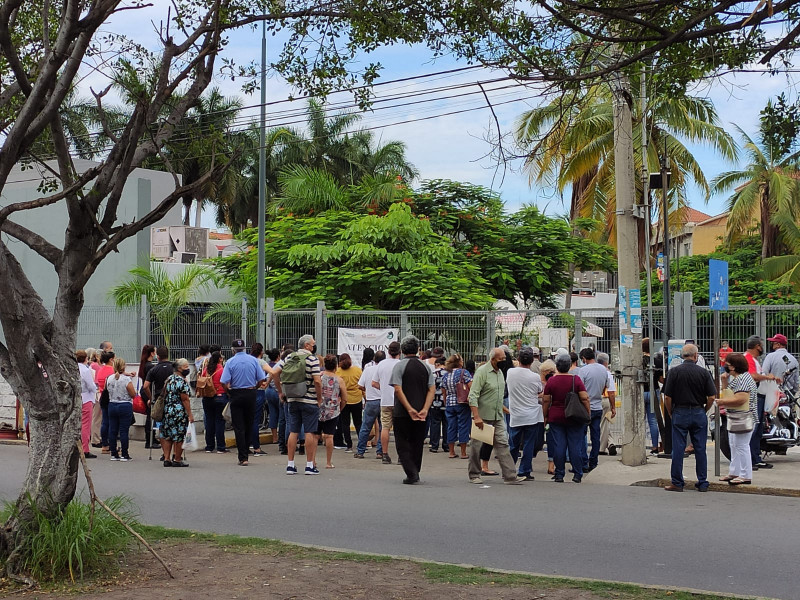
<point x="351" y="377"/>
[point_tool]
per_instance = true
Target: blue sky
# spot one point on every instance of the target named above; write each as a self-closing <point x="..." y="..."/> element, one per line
<point x="455" y="146"/>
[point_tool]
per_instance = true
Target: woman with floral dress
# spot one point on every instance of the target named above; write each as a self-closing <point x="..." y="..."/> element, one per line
<point x="177" y="414"/>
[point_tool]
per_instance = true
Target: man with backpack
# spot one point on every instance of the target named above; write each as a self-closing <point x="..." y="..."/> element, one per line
<point x="298" y="383"/>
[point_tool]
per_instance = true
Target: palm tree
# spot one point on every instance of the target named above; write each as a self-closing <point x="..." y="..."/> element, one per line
<point x="765" y="193"/>
<point x="165" y="295"/>
<point x="570" y="143"/>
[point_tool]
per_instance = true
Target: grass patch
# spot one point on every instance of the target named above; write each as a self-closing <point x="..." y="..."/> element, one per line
<point x="62" y="546"/>
<point x="433" y="572"/>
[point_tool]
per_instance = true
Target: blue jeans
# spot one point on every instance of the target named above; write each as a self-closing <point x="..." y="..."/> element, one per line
<point x="214" y="422"/>
<point x="690" y="422"/>
<point x="590" y="461"/>
<point x="282" y="435"/>
<point x="372" y="412"/>
<point x="274" y="408"/>
<point x="458" y="423"/>
<point x="120" y="415"/>
<point x="104" y="428"/>
<point x="261" y="400"/>
<point x="438" y="420"/>
<point x="568" y="436"/>
<point x="758" y="430"/>
<point x="522" y="442"/>
<point x="651" y="419"/>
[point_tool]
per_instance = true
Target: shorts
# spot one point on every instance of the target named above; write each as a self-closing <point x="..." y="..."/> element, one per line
<point x="327" y="427"/>
<point x="386" y="416"/>
<point x="303" y="415"/>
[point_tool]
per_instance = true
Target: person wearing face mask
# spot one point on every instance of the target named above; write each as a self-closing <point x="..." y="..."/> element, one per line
<point x="755" y="348"/>
<point x="177" y="414"/>
<point x="242" y="375"/>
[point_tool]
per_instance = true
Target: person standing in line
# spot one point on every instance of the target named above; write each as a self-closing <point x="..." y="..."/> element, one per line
<point x="651" y="398"/>
<point x="257" y="350"/>
<point x="380" y="381"/>
<point x="595" y="379"/>
<point x="154" y="382"/>
<point x="536" y="365"/>
<point x="303" y="400"/>
<point x="414" y="388"/>
<point x="120" y="410"/>
<point x="609" y="407"/>
<point x="334" y="399"/>
<point x="88" y="398"/>
<point x="353" y="410"/>
<point x="274" y="401"/>
<point x="436" y="416"/>
<point x="146" y="362"/>
<point x="214" y="407"/>
<point x="372" y="406"/>
<point x="689" y="392"/>
<point x="775" y="367"/>
<point x="486" y="404"/>
<point x="740" y="405"/>
<point x="458" y="413"/>
<point x="177" y="414"/>
<point x="524" y="391"/>
<point x="106" y="369"/>
<point x="241" y="376"/>
<point x="755" y="348"/>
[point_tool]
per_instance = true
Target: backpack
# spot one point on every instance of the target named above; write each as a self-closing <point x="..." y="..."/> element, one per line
<point x="294" y="368"/>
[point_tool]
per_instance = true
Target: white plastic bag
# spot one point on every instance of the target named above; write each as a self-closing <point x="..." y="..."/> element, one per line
<point x="190" y="441"/>
<point x="772" y="395"/>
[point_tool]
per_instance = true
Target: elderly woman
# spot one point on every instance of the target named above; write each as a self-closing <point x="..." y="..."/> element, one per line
<point x="120" y="409"/>
<point x="177" y="414"/>
<point x="459" y="419"/>
<point x="546" y="371"/>
<point x="740" y="409"/>
<point x="563" y="432"/>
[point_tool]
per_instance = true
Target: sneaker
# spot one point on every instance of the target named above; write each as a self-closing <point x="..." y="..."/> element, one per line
<point x="312" y="471"/>
<point x="518" y="480"/>
<point x="167" y="463"/>
<point x="209" y="450"/>
<point x="433" y="450"/>
<point x="358" y="455"/>
<point x="225" y="451"/>
<point x="340" y="447"/>
<point x="527" y="477"/>
<point x="115" y="458"/>
<point x="386" y="459"/>
<point x="349" y="450"/>
<point x="125" y="459"/>
<point x="291" y="470"/>
<point x="476" y="480"/>
<point x="89" y="455"/>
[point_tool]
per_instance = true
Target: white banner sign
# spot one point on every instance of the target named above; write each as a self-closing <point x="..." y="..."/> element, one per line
<point x="354" y="341"/>
<point x="554" y="338"/>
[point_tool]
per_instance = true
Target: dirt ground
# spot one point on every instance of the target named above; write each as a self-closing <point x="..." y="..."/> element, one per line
<point x="204" y="570"/>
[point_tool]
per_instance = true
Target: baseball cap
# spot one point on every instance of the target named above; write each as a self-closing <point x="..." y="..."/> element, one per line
<point x="237" y="343"/>
<point x="536" y="351"/>
<point x="780" y="338"/>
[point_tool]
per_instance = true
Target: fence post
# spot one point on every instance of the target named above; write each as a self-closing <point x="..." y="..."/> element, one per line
<point x="490" y="332"/>
<point x="694" y="325"/>
<point x="260" y="325"/>
<point x="144" y="323"/>
<point x="761" y="321"/>
<point x="319" y="327"/>
<point x="269" y="336"/>
<point x="244" y="319"/>
<point x="578" y="331"/>
<point x="404" y="330"/>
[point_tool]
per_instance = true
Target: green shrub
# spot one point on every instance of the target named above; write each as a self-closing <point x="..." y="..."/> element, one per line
<point x="64" y="546"/>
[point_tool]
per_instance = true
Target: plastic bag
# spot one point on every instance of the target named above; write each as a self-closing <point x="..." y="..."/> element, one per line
<point x="772" y="396"/>
<point x="190" y="440"/>
<point x="226" y="413"/>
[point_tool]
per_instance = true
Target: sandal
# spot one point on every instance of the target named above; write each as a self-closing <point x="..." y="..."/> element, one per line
<point x="727" y="478"/>
<point x="452" y="456"/>
<point x="330" y="466"/>
<point x="465" y="457"/>
<point x="488" y="473"/>
<point x="739" y="481"/>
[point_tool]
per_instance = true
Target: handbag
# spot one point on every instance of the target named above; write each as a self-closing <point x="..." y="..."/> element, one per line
<point x="739" y="421"/>
<point x="204" y="387"/>
<point x="226" y="413"/>
<point x="139" y="405"/>
<point x="157" y="410"/>
<point x="574" y="410"/>
<point x="105" y="399"/>
<point x="462" y="391"/>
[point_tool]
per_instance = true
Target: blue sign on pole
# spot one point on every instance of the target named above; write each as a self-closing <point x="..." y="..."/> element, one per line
<point x="718" y="284"/>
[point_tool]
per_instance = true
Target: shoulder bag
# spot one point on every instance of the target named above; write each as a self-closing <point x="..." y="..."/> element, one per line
<point x="157" y="410"/>
<point x="462" y="391"/>
<point x="204" y="388"/>
<point x="574" y="410"/>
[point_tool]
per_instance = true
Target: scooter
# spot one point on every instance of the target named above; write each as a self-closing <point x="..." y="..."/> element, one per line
<point x="782" y="430"/>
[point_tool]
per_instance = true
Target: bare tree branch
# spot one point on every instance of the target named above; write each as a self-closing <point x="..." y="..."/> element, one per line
<point x="34" y="241"/>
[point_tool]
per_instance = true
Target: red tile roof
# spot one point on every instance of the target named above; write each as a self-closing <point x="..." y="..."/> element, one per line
<point x="691" y="215"/>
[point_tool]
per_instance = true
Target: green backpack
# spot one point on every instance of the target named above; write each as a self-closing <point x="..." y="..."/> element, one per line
<point x="294" y="368"/>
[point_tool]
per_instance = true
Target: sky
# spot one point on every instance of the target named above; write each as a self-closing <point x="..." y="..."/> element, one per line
<point x="457" y="146"/>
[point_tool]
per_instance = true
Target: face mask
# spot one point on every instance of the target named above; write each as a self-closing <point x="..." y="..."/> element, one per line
<point x="727" y="369"/>
<point x="314" y="349"/>
<point x="185" y="372"/>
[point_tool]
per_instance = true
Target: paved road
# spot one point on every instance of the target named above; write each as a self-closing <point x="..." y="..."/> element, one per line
<point x="715" y="541"/>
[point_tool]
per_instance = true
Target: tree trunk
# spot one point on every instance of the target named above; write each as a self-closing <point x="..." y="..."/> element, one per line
<point x="769" y="232"/>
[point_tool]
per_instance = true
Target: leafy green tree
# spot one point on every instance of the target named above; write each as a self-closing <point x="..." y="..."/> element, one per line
<point x="391" y="262"/>
<point x="166" y="295"/>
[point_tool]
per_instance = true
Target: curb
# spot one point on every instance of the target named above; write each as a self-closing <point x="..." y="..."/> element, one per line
<point x="730" y="489"/>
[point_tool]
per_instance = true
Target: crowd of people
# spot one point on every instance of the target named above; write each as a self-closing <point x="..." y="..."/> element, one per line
<point x="519" y="404"/>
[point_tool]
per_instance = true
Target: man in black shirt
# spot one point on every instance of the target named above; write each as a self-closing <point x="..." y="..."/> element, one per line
<point x="689" y="392"/>
<point x="414" y="388"/>
<point x="154" y="382"/>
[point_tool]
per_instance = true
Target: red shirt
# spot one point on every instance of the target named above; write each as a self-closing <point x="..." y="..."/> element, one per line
<point x="557" y="387"/>
<point x="723" y="354"/>
<point x="752" y="367"/>
<point x="102" y="374"/>
<point x="215" y="378"/>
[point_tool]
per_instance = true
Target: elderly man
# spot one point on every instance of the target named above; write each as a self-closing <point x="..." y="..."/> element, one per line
<point x="689" y="392"/>
<point x="486" y="404"/>
<point x="240" y="378"/>
<point x="595" y="378"/>
<point x="414" y="389"/>
<point x="609" y="406"/>
<point x="775" y="367"/>
<point x="303" y="399"/>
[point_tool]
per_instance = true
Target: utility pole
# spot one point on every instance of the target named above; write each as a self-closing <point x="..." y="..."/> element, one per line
<point x="633" y="448"/>
<point x="262" y="189"/>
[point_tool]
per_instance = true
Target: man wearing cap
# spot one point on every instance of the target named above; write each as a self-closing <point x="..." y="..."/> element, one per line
<point x="689" y="392"/>
<point x="535" y="365"/>
<point x="240" y="378"/>
<point x="775" y="367"/>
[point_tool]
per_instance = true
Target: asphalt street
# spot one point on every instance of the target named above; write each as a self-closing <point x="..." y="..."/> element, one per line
<point x="730" y="543"/>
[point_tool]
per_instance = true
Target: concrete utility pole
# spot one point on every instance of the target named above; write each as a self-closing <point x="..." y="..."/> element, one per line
<point x="262" y="190"/>
<point x="633" y="448"/>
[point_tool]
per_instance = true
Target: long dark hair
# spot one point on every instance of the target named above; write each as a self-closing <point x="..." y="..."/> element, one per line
<point x="369" y="354"/>
<point x="213" y="363"/>
<point x="147" y="351"/>
<point x="257" y="349"/>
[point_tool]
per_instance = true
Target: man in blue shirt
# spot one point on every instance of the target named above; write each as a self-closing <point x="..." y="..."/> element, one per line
<point x="240" y="378"/>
